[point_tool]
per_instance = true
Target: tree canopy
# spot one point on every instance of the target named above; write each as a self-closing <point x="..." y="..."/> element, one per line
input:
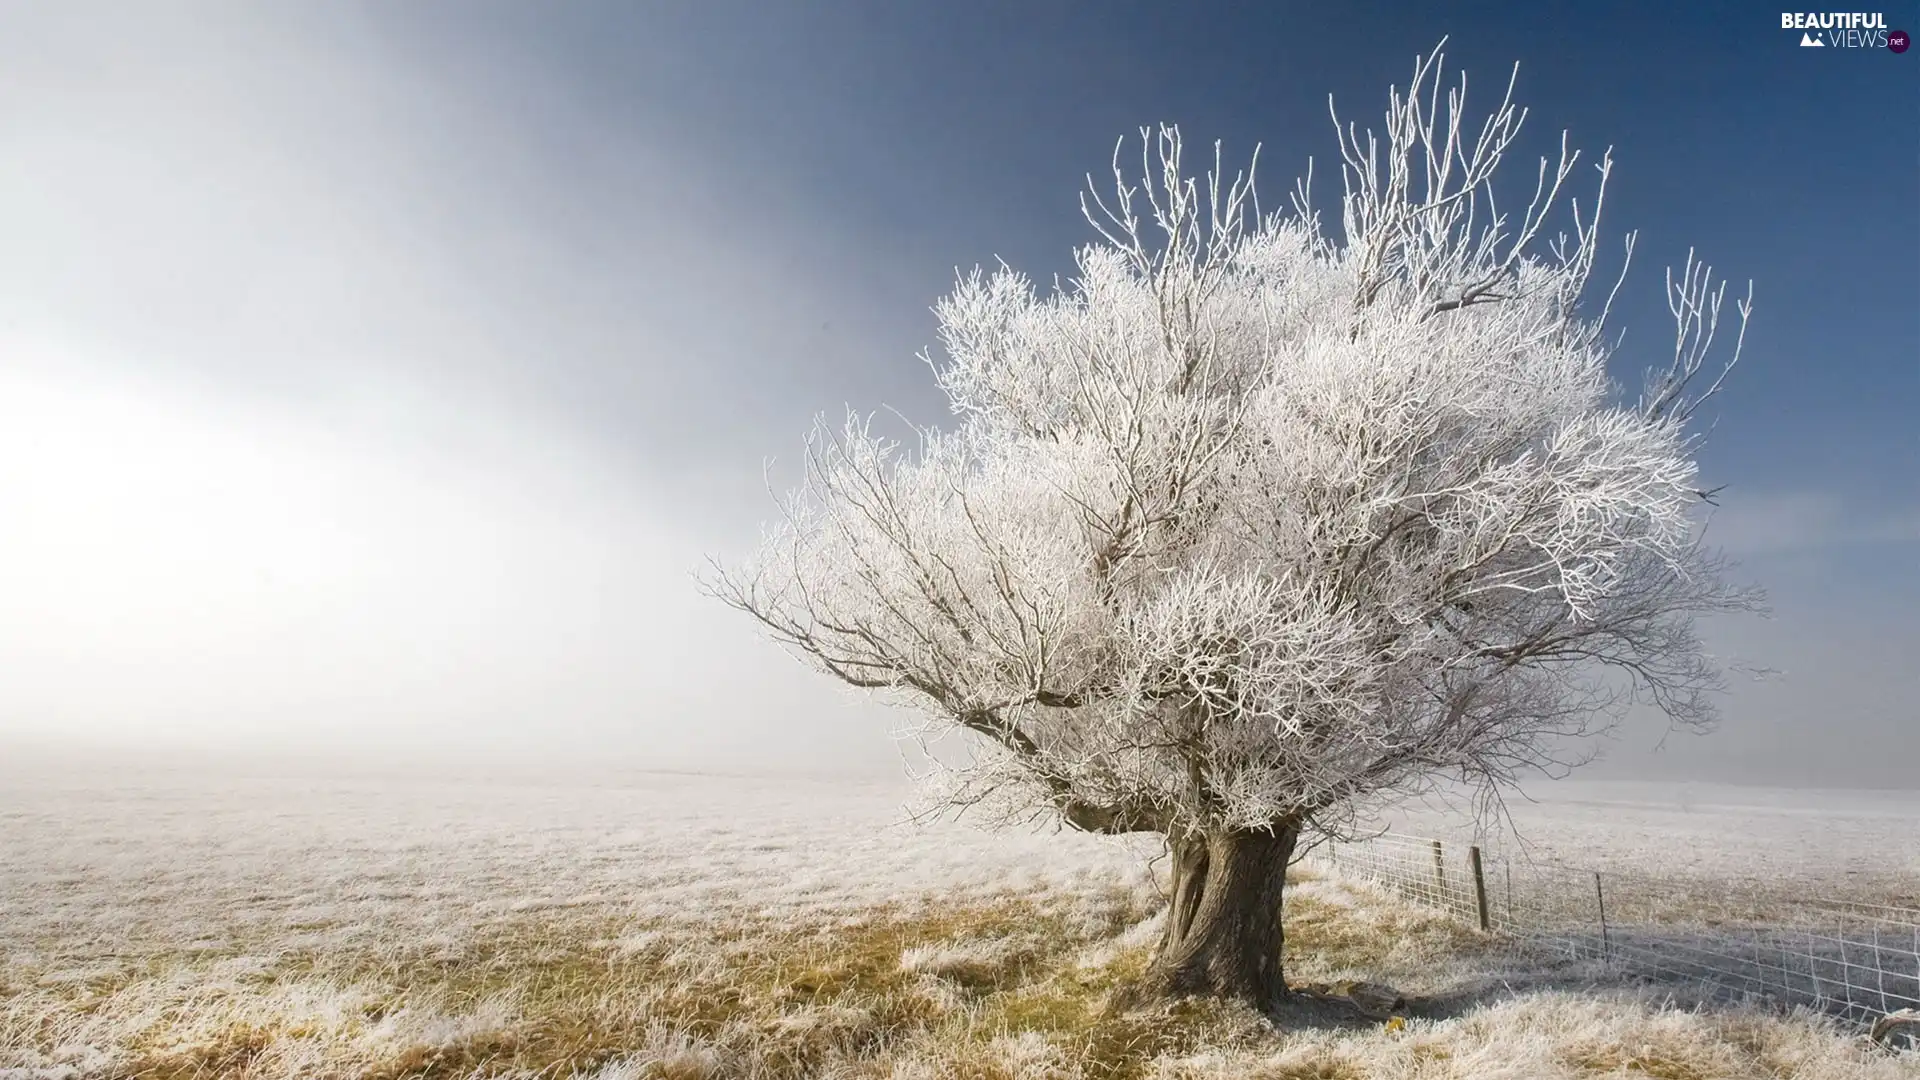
<point x="1243" y="521"/>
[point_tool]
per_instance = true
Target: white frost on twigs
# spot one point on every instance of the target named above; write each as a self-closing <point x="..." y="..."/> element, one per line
<point x="1245" y="523"/>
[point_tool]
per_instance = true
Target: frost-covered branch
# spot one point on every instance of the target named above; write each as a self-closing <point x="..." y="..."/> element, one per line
<point x="1420" y="211"/>
<point x="1695" y="302"/>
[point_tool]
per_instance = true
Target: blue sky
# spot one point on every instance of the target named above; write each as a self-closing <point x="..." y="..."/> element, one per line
<point x="501" y="307"/>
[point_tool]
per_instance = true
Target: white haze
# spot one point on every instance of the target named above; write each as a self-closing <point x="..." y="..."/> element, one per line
<point x="178" y="573"/>
<point x="287" y="356"/>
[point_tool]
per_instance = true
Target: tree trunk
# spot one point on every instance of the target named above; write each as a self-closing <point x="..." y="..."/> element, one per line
<point x="1223" y="934"/>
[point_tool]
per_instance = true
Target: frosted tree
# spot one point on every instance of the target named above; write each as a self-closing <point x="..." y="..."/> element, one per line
<point x="1245" y="525"/>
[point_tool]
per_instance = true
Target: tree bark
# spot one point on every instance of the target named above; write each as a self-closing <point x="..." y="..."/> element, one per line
<point x="1223" y="935"/>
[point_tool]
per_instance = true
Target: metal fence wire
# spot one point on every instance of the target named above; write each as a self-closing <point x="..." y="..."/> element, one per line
<point x="1728" y="942"/>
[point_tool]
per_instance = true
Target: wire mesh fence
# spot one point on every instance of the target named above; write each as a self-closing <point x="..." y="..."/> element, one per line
<point x="1724" y="941"/>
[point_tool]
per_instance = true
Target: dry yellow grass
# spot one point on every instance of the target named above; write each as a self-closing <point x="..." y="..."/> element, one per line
<point x="337" y="942"/>
<point x="1016" y="990"/>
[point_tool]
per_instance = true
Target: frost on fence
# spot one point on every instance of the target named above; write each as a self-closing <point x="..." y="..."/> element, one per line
<point x="1855" y="961"/>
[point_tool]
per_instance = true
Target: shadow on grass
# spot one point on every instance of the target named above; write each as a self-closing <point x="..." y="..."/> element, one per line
<point x="1854" y="973"/>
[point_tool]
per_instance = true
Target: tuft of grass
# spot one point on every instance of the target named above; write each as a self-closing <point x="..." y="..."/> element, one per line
<point x="1339" y="929"/>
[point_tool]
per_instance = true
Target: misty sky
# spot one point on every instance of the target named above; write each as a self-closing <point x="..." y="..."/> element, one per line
<point x="373" y="377"/>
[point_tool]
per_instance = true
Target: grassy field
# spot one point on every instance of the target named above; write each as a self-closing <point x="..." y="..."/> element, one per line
<point x="689" y="927"/>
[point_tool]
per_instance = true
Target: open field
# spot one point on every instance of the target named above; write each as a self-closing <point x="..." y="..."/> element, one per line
<point x="681" y="926"/>
<point x="1862" y="846"/>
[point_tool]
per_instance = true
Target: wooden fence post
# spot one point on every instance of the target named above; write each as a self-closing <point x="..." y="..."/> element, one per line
<point x="1606" y="947"/>
<point x="1479" y="887"/>
<point x="1439" y="874"/>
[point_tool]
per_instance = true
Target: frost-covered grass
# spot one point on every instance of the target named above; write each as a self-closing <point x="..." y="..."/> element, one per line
<point x="703" y="927"/>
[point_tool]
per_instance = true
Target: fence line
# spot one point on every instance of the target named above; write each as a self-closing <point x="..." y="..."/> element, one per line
<point x="1853" y="960"/>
